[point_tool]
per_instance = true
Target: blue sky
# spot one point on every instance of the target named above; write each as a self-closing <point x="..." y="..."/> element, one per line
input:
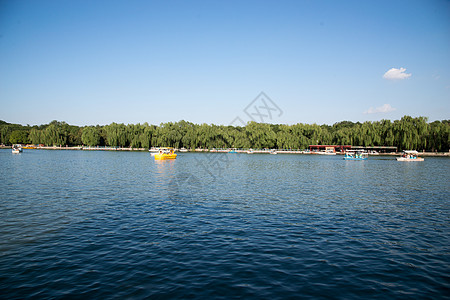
<point x="98" y="62"/>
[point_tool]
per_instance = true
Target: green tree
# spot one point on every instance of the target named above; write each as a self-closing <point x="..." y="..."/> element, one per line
<point x="18" y="137"/>
<point x="55" y="134"/>
<point x="35" y="136"/>
<point x="90" y="136"/>
<point x="5" y="132"/>
<point x="74" y="134"/>
<point x="116" y="135"/>
<point x="406" y="133"/>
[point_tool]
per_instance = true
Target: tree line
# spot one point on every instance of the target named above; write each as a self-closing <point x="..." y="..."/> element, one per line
<point x="406" y="133"/>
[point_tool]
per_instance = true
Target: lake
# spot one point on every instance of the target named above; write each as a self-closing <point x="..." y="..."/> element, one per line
<point x="105" y="224"/>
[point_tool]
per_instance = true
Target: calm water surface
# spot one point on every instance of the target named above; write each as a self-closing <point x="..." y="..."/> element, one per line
<point x="120" y="225"/>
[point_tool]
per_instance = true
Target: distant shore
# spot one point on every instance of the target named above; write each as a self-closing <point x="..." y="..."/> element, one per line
<point x="253" y="151"/>
<point x="81" y="148"/>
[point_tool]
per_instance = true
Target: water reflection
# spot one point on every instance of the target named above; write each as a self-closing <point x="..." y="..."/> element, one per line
<point x="176" y="183"/>
<point x="165" y="170"/>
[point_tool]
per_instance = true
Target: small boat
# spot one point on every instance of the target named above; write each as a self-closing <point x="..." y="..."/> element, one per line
<point x="233" y="151"/>
<point x="165" y="153"/>
<point x="355" y="155"/>
<point x="30" y="147"/>
<point x="250" y="151"/>
<point x="326" y="152"/>
<point x="183" y="150"/>
<point x="154" y="151"/>
<point x="17" y="149"/>
<point x="410" y="155"/>
<point x="273" y="151"/>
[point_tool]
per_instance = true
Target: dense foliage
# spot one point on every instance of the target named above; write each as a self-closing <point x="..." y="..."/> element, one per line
<point x="407" y="133"/>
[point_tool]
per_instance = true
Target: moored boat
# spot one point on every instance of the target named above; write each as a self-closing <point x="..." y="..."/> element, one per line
<point x="410" y="155"/>
<point x="355" y="155"/>
<point x="154" y="151"/>
<point x="326" y="152"/>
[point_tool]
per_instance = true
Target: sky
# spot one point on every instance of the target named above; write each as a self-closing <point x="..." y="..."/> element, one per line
<point x="223" y="62"/>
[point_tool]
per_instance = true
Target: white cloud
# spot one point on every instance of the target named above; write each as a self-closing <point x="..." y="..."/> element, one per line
<point x="394" y="73"/>
<point x="385" y="108"/>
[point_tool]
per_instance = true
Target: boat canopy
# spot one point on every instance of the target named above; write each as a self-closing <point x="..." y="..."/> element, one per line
<point x="410" y="152"/>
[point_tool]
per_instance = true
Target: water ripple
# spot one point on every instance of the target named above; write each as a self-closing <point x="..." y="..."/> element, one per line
<point x="118" y="225"/>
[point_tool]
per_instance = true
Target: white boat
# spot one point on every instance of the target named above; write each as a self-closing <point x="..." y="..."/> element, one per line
<point x="410" y="155"/>
<point x="154" y="151"/>
<point x="329" y="150"/>
<point x="250" y="151"/>
<point x="273" y="151"/>
<point x="183" y="150"/>
<point x="355" y="155"/>
<point x="17" y="149"/>
<point x="326" y="152"/>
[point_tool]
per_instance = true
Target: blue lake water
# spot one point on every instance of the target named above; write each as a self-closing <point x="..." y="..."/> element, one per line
<point x="120" y="225"/>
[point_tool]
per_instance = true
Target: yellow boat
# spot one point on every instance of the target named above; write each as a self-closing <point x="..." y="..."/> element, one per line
<point x="165" y="153"/>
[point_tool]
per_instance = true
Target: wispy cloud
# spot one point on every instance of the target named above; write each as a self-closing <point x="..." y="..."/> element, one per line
<point x="385" y="108"/>
<point x="395" y="74"/>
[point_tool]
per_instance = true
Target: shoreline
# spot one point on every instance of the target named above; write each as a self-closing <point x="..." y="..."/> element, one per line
<point x="87" y="148"/>
<point x="262" y="151"/>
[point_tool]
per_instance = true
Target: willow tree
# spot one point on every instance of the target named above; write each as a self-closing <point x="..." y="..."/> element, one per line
<point x="18" y="137"/>
<point x="35" y="136"/>
<point x="90" y="136"/>
<point x="406" y="133"/>
<point x="55" y="134"/>
<point x="116" y="135"/>
<point x="145" y="137"/>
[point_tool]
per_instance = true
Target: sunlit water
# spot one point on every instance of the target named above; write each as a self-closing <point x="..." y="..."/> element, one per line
<point x="121" y="225"/>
